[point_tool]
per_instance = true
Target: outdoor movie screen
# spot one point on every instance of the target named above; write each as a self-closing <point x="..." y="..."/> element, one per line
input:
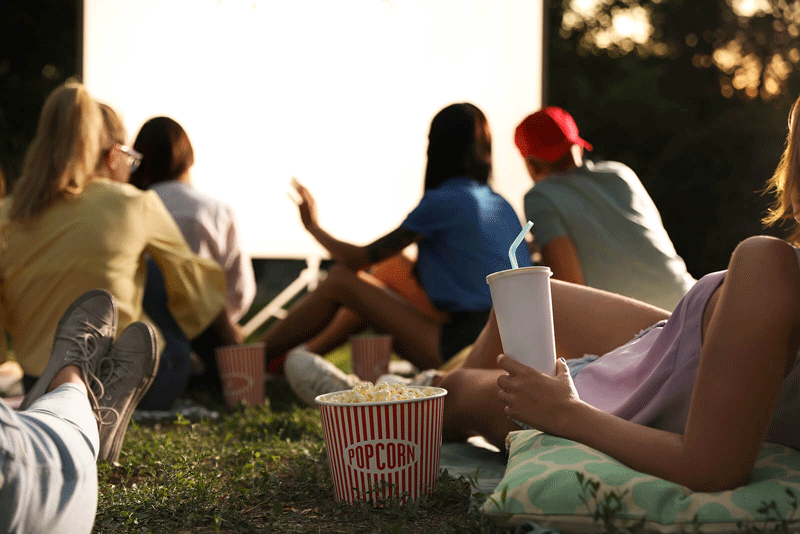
<point x="339" y="93"/>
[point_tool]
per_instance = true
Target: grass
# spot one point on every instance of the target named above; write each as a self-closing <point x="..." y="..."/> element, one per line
<point x="256" y="469"/>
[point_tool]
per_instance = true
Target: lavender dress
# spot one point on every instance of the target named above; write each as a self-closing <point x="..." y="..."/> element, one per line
<point x="650" y="379"/>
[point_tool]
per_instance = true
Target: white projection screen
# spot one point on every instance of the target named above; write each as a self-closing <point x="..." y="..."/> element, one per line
<point x="339" y="93"/>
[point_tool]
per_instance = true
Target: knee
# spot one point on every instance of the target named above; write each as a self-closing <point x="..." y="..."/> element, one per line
<point x="467" y="389"/>
<point x="453" y="383"/>
<point x="454" y="402"/>
<point x="338" y="276"/>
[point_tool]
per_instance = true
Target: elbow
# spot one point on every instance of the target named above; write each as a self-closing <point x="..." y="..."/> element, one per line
<point x="712" y="479"/>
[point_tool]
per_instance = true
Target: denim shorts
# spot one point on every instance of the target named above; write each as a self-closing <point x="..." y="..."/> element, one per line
<point x="577" y="364"/>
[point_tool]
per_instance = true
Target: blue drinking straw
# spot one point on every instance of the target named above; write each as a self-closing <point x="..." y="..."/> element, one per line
<point x="512" y="252"/>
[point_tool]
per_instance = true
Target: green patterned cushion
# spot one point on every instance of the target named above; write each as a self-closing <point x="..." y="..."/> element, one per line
<point x="573" y="488"/>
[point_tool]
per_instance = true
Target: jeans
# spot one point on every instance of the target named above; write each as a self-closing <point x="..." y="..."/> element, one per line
<point x="174" y="368"/>
<point x="48" y="464"/>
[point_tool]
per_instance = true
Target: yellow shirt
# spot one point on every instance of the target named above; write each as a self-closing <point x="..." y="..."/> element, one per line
<point x="97" y="240"/>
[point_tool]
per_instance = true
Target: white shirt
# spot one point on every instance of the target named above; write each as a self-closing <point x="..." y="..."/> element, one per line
<point x="210" y="229"/>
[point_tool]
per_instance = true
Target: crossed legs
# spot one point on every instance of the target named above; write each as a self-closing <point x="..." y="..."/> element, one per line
<point x="416" y="335"/>
<point x="586" y="321"/>
<point x="49" y="466"/>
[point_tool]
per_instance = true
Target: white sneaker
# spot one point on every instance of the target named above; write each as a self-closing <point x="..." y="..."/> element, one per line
<point x="310" y="375"/>
<point x="425" y="378"/>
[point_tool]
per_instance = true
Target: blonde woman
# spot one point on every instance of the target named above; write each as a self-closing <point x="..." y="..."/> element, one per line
<point x="68" y="228"/>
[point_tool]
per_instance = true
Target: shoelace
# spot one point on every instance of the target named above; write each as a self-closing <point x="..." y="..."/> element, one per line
<point x="112" y="370"/>
<point x="84" y="347"/>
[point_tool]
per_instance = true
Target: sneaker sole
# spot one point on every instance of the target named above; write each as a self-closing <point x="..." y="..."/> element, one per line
<point x="52" y="368"/>
<point x="125" y="417"/>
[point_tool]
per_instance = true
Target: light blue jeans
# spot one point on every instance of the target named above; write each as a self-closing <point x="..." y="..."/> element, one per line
<point x="48" y="464"/>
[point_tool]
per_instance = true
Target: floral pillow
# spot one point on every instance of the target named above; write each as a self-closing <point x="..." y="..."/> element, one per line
<point x="567" y="486"/>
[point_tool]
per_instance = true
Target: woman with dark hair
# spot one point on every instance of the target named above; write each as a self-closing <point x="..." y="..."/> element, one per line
<point x="462" y="229"/>
<point x="210" y="229"/>
<point x="169" y="153"/>
<point x="69" y="226"/>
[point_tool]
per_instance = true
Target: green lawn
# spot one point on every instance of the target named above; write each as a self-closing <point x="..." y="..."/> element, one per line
<point x="256" y="469"/>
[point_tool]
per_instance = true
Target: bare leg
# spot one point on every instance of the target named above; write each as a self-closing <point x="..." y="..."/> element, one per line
<point x="586" y="321"/>
<point x="472" y="408"/>
<point x="415" y="334"/>
<point x="591" y="321"/>
<point x="396" y="274"/>
<point x="68" y="374"/>
<point x="343" y="325"/>
<point x="486" y="348"/>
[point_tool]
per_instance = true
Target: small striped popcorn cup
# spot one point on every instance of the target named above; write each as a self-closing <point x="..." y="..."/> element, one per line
<point x="371" y="355"/>
<point x="241" y="369"/>
<point x="382" y="450"/>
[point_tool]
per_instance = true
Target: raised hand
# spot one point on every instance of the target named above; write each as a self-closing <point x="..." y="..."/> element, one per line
<point x="306" y="205"/>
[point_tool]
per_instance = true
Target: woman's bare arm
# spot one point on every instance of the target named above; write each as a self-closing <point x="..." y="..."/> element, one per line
<point x="750" y="337"/>
<point x="353" y="256"/>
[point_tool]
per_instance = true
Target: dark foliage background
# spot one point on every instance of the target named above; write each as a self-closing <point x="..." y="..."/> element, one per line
<point x="702" y="141"/>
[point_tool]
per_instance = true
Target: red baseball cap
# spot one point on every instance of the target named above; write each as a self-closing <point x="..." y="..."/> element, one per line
<point x="548" y="134"/>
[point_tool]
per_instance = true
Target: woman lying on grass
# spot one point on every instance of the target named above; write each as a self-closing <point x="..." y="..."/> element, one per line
<point x="689" y="397"/>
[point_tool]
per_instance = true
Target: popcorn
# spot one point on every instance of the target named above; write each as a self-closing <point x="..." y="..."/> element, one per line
<point x="368" y="392"/>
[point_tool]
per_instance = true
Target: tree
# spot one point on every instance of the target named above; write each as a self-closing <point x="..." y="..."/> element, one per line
<point x="751" y="44"/>
<point x="38" y="52"/>
<point x="650" y="100"/>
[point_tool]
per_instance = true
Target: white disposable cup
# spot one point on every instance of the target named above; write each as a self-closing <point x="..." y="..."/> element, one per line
<point x="523" y="306"/>
<point x="383" y="450"/>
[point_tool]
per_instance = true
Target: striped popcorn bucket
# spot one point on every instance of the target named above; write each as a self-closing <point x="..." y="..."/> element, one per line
<point x="371" y="355"/>
<point x="383" y="450"/>
<point x="241" y="369"/>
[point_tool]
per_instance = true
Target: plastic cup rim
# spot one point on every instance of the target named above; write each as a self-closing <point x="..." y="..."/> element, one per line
<point x="321" y="400"/>
<point x="519" y="270"/>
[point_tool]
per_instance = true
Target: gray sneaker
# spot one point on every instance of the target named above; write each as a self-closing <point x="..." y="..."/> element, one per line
<point x="125" y="374"/>
<point x="83" y="335"/>
<point x="310" y="375"/>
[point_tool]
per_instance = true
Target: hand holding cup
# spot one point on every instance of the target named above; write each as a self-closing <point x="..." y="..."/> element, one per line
<point x="539" y="400"/>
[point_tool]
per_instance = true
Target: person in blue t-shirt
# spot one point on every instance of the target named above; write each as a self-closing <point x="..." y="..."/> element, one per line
<point x="463" y="230"/>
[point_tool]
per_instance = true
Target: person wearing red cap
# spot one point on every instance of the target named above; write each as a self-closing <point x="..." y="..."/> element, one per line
<point x="593" y="222"/>
<point x="688" y="396"/>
